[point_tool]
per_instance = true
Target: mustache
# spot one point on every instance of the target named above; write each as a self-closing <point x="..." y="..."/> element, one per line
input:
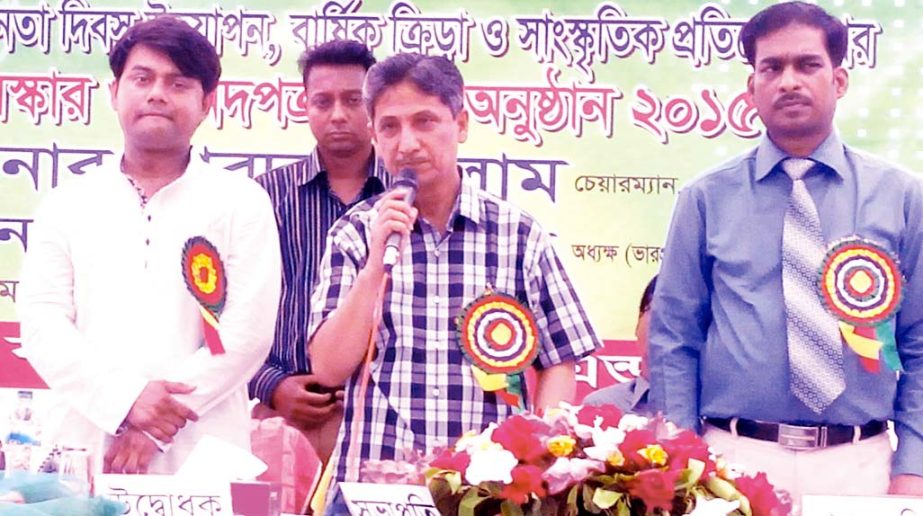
<point x="791" y="98"/>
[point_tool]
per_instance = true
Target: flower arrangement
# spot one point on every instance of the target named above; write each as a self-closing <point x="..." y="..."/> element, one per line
<point x="590" y="460"/>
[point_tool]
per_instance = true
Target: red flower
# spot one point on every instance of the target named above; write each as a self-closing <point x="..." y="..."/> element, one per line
<point x="521" y="436"/>
<point x="687" y="445"/>
<point x="762" y="496"/>
<point x="636" y="440"/>
<point x="526" y="479"/>
<point x="610" y="413"/>
<point x="655" y="488"/>
<point x="451" y="460"/>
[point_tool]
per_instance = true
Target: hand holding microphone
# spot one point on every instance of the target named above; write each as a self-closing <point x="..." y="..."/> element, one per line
<point x="397" y="213"/>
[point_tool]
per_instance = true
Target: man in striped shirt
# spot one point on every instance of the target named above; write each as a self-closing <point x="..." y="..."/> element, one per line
<point x="308" y="197"/>
<point x="422" y="391"/>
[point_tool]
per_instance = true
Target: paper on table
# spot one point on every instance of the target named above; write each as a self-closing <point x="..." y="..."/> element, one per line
<point x="216" y="458"/>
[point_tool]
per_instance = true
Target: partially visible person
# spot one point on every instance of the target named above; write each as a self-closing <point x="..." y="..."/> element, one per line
<point x="465" y="243"/>
<point x="631" y="396"/>
<point x="308" y="197"/>
<point x="109" y="318"/>
<point x="789" y="373"/>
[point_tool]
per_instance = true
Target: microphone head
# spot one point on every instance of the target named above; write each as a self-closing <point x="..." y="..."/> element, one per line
<point x="407" y="181"/>
<point x="406" y="178"/>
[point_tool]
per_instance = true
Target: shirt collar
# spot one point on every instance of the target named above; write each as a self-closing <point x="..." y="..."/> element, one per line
<point x="468" y="203"/>
<point x="194" y="167"/>
<point x="313" y="168"/>
<point x="310" y="170"/>
<point x="831" y="153"/>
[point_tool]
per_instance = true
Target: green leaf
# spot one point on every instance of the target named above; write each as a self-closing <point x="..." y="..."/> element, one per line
<point x="454" y="481"/>
<point x="508" y="508"/>
<point x="588" y="500"/>
<point x="691" y="474"/>
<point x="745" y="506"/>
<point x="722" y="488"/>
<point x="572" y="501"/>
<point x="623" y="508"/>
<point x="469" y="502"/>
<point x="605" y="480"/>
<point x="572" y="495"/>
<point x="493" y="488"/>
<point x="604" y="499"/>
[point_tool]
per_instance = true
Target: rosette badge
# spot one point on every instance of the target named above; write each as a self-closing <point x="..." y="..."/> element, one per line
<point x="498" y="336"/>
<point x="861" y="284"/>
<point x="203" y="272"/>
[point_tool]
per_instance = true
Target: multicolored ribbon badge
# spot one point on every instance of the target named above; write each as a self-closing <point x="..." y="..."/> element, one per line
<point x="861" y="284"/>
<point x="498" y="335"/>
<point x="203" y="272"/>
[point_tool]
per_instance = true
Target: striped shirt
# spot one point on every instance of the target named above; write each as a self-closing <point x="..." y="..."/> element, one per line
<point x="305" y="208"/>
<point x="421" y="392"/>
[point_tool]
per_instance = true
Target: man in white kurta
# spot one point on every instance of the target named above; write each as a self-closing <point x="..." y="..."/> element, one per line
<point x="106" y="314"/>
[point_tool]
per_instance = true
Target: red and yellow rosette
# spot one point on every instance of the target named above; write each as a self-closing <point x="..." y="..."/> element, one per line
<point x="861" y="284"/>
<point x="203" y="272"/>
<point x="498" y="335"/>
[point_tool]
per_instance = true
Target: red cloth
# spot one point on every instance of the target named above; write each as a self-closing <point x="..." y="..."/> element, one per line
<point x="292" y="461"/>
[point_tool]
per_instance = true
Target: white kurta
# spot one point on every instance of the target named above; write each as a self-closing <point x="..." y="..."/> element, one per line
<point x="104" y="307"/>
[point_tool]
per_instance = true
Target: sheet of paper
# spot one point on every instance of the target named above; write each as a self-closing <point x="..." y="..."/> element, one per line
<point x="219" y="459"/>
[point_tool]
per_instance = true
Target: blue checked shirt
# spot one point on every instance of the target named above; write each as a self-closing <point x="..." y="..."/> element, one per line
<point x="421" y="393"/>
<point x="305" y="209"/>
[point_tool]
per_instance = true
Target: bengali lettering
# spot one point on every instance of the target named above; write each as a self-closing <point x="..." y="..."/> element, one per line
<point x="29" y="27"/>
<point x="615" y="184"/>
<point x="338" y="20"/>
<point x="430" y="35"/>
<point x="15" y="227"/>
<point x="531" y="110"/>
<point x="60" y="97"/>
<point x="237" y="99"/>
<point x="8" y="289"/>
<point x="30" y="160"/>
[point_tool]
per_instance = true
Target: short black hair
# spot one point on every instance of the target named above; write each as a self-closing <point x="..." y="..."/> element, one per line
<point x="782" y="15"/>
<point x="648" y="295"/>
<point x="189" y="50"/>
<point x="339" y="52"/>
<point x="433" y="75"/>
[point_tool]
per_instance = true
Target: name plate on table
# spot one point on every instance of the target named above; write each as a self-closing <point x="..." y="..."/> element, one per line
<point x="388" y="499"/>
<point x="166" y="495"/>
<point x="816" y="505"/>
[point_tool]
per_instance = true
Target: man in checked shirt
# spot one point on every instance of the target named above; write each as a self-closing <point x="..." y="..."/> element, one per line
<point x="457" y="242"/>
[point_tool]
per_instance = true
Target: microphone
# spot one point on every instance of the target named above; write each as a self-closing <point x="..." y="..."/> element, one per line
<point x="406" y="180"/>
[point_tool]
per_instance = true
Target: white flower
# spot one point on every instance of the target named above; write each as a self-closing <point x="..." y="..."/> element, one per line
<point x="632" y="422"/>
<point x="714" y="507"/>
<point x="491" y="465"/>
<point x="732" y="471"/>
<point x="473" y="442"/>
<point x="606" y="443"/>
<point x="566" y="472"/>
<point x="582" y="431"/>
<point x="564" y="412"/>
<point x="608" y="436"/>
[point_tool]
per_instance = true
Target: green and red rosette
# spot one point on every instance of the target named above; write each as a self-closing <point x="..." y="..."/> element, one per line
<point x="203" y="272"/>
<point x="498" y="335"/>
<point x="862" y="286"/>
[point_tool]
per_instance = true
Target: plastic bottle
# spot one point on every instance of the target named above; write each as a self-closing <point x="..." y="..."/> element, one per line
<point x="23" y="436"/>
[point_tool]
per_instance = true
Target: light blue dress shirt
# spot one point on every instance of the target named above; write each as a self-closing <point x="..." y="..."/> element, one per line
<point x="718" y="344"/>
